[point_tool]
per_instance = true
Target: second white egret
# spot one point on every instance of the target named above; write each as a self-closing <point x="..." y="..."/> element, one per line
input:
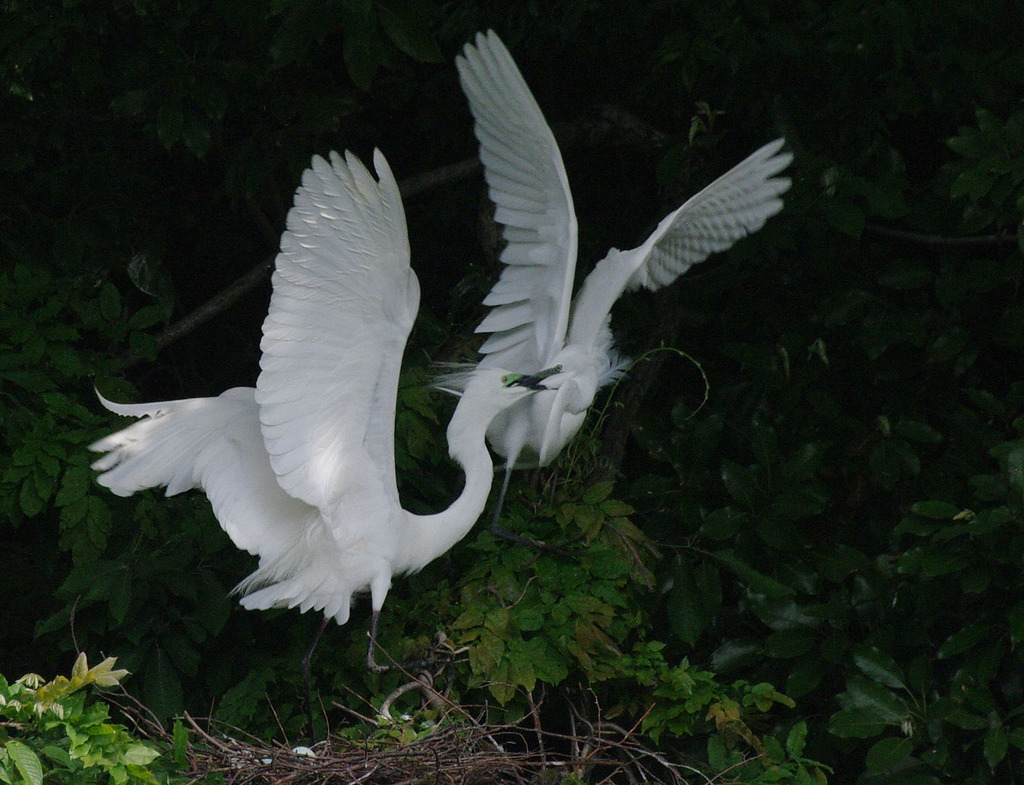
<point x="534" y="320"/>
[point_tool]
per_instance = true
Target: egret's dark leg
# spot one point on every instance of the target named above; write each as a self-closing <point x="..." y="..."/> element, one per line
<point x="371" y="663"/>
<point x="307" y="673"/>
<point x="497" y="531"/>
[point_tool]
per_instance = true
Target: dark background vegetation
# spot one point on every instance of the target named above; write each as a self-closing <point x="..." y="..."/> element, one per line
<point x="842" y="519"/>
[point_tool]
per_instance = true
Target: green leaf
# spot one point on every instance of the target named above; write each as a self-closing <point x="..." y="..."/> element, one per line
<point x="973" y="183"/>
<point x="739" y="482"/>
<point x="169" y="122"/>
<point x="529" y="619"/>
<point x="930" y="563"/>
<point x="800" y="504"/>
<point x="724" y="523"/>
<point x="790" y="643"/>
<point x="796" y="739"/>
<point x="803" y="464"/>
<point x="146" y="317"/>
<point x="759" y="582"/>
<point x="736" y="654"/>
<point x="196" y="135"/>
<point x="26" y="761"/>
<point x="520" y="670"/>
<point x="856" y="723"/>
<point x="414" y="40"/>
<point x="362" y="59"/>
<point x="162" y="685"/>
<point x="887" y="754"/>
<point x="844" y="215"/>
<point x="840" y="561"/>
<point x="139" y="754"/>
<point x="891" y="460"/>
<point x="110" y="302"/>
<point x="180" y="739"/>
<point x="1016" y="623"/>
<point x="935" y="510"/>
<point x="805" y="675"/>
<point x="687" y="615"/>
<point x="919" y="527"/>
<point x="597" y="493"/>
<point x="879" y="666"/>
<point x="995" y="746"/>
<point x="963" y="640"/>
<point x="862" y="693"/>
<point x="906" y="279"/>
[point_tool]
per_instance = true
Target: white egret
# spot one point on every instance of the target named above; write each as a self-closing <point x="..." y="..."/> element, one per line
<point x="300" y="470"/>
<point x="534" y="320"/>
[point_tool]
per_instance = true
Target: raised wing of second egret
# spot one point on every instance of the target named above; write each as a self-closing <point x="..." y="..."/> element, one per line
<point x="534" y="320"/>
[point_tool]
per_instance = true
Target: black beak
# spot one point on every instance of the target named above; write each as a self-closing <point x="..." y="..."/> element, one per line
<point x="533" y="381"/>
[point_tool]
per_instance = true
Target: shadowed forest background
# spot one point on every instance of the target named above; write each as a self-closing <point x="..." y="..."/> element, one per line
<point x="833" y="540"/>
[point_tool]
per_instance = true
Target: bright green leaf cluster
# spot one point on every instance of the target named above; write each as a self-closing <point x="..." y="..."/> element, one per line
<point x="54" y="733"/>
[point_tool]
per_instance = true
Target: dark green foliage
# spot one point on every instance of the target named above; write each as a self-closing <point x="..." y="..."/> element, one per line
<point x="822" y="560"/>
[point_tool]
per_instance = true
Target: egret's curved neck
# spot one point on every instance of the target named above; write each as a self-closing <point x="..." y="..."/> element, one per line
<point x="432" y="535"/>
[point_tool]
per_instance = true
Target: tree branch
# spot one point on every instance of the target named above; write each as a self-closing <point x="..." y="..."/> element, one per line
<point x="610" y="122"/>
<point x="234" y="291"/>
<point x="940" y="240"/>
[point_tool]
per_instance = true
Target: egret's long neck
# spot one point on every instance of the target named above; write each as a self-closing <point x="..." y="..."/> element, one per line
<point x="432" y="535"/>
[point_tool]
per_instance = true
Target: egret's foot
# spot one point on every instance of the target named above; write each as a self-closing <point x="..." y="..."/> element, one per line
<point x="373" y="666"/>
<point x="408" y="665"/>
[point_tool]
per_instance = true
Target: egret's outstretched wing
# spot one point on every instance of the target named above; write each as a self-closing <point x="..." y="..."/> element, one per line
<point x="528" y="184"/>
<point x="343" y="303"/>
<point x="209" y="443"/>
<point x="736" y="204"/>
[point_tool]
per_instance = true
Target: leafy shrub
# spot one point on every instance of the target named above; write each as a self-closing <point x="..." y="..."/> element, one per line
<point x="52" y="732"/>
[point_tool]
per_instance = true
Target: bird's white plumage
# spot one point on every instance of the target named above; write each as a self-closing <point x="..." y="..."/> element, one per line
<point x="735" y="205"/>
<point x="530" y="190"/>
<point x="300" y="470"/>
<point x="531" y="319"/>
<point x="209" y="443"/>
<point x="344" y="300"/>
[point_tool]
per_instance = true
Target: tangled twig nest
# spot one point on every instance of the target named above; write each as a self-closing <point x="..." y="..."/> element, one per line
<point x="458" y="750"/>
<point x="453" y="754"/>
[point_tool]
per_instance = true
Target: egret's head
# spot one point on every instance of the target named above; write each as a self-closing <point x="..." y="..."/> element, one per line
<point x="485" y="393"/>
<point x="533" y="381"/>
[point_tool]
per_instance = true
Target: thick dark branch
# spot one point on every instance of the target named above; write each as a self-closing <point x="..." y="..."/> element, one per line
<point x="234" y="291"/>
<point x="940" y="240"/>
<point x="221" y="301"/>
<point x="435" y="178"/>
<point x="611" y="122"/>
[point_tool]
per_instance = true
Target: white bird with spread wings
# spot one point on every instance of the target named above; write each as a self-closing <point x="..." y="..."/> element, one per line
<point x="301" y="470"/>
<point x="535" y="322"/>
